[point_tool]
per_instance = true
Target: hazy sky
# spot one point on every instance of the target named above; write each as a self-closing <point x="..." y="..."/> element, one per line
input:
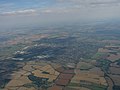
<point x="23" y="12"/>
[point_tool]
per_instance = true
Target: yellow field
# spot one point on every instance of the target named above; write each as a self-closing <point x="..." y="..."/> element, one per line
<point x="11" y="88"/>
<point x="37" y="67"/>
<point x="45" y="68"/>
<point x="94" y="75"/>
<point x="89" y="77"/>
<point x="18" y="74"/>
<point x="52" y="74"/>
<point x="18" y="82"/>
<point x="103" y="50"/>
<point x="28" y="68"/>
<point x="20" y="78"/>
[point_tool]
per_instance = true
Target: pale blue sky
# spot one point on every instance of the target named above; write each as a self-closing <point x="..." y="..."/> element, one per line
<point x="21" y="12"/>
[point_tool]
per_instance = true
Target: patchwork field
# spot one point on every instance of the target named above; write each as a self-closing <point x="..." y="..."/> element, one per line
<point x="62" y="60"/>
<point x="114" y="70"/>
<point x="116" y="79"/>
<point x="93" y="75"/>
<point x="109" y="63"/>
<point x="113" y="57"/>
<point x="55" y="87"/>
<point x="24" y="78"/>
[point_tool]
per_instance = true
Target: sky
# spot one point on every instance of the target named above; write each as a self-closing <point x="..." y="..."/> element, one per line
<point x="30" y="12"/>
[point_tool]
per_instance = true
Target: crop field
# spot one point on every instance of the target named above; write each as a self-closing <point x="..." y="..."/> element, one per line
<point x="62" y="82"/>
<point x="110" y="83"/>
<point x="55" y="87"/>
<point x="66" y="58"/>
<point x="84" y="66"/>
<point x="91" y="75"/>
<point x="76" y="88"/>
<point x="104" y="50"/>
<point x="97" y="71"/>
<point x="69" y="71"/>
<point x="46" y="72"/>
<point x="116" y="79"/>
<point x="115" y="70"/>
<point x="87" y="74"/>
<point x="113" y="57"/>
<point x="21" y="78"/>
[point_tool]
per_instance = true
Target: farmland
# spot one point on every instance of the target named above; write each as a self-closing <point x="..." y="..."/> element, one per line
<point x="62" y="60"/>
<point x="25" y="77"/>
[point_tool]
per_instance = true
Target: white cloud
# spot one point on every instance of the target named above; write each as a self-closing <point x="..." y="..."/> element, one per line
<point x="20" y="12"/>
<point x="54" y="10"/>
<point x="62" y="10"/>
